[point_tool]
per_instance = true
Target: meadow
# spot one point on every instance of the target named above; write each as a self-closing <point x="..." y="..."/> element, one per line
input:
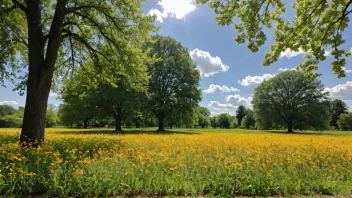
<point x="181" y="162"/>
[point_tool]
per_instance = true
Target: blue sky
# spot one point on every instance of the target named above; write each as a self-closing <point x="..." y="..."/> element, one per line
<point x="230" y="72"/>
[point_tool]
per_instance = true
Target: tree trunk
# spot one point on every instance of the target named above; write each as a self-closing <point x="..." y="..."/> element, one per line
<point x="161" y="116"/>
<point x="118" y="124"/>
<point x="71" y="126"/>
<point x="85" y="123"/>
<point x="40" y="70"/>
<point x="289" y="127"/>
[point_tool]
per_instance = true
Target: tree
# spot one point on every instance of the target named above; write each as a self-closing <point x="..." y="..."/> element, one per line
<point x="120" y="101"/>
<point x="248" y="120"/>
<point x="240" y="113"/>
<point x="174" y="79"/>
<point x="53" y="37"/>
<point x="67" y="115"/>
<point x="288" y="98"/>
<point x="316" y="27"/>
<point x="6" y="110"/>
<point x="345" y="121"/>
<point x="203" y="116"/>
<point x="338" y="107"/>
<point x="224" y="120"/>
<point x="214" y="122"/>
<point x="12" y="121"/>
<point x="51" y="117"/>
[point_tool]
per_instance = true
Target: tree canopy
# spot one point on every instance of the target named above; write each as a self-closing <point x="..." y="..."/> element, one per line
<point x="316" y="28"/>
<point x="290" y="99"/>
<point x="338" y="107"/>
<point x="47" y="39"/>
<point x="174" y="79"/>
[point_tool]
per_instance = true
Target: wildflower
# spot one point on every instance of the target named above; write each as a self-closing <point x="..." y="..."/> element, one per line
<point x="77" y="173"/>
<point x="20" y="171"/>
<point x="31" y="174"/>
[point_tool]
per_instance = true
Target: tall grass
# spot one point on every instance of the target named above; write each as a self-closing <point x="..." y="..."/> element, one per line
<point x="224" y="164"/>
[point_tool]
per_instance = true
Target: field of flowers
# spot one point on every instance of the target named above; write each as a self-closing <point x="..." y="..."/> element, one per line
<point x="224" y="164"/>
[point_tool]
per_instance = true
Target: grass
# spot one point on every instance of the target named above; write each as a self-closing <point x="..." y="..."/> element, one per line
<point x="181" y="162"/>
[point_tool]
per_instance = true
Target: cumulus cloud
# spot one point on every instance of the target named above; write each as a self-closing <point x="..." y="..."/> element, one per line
<point x="341" y="91"/>
<point x="220" y="89"/>
<point x="173" y="9"/>
<point x="239" y="100"/>
<point x="208" y="65"/>
<point x="53" y="94"/>
<point x="217" y="105"/>
<point x="288" y="53"/>
<point x="252" y="80"/>
<point x="12" y="102"/>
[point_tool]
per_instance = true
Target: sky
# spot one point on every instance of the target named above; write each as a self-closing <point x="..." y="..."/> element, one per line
<point x="229" y="71"/>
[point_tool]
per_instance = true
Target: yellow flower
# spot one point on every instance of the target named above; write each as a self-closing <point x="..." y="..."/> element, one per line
<point x="20" y="171"/>
<point x="31" y="174"/>
<point x="77" y="173"/>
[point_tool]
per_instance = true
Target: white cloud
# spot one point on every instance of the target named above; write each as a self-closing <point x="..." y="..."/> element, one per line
<point x="288" y="53"/>
<point x="341" y="91"/>
<point x="173" y="9"/>
<point x="53" y="94"/>
<point x="287" y="69"/>
<point x="347" y="71"/>
<point x="252" y="80"/>
<point x="217" y="105"/>
<point x="220" y="89"/>
<point x="13" y="103"/>
<point x="207" y="64"/>
<point x="238" y="100"/>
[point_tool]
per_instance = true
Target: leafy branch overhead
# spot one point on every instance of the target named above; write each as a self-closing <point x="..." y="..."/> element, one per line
<point x="86" y="27"/>
<point x="317" y="27"/>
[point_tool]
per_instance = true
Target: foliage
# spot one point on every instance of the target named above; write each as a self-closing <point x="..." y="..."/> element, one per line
<point x="10" y="117"/>
<point x="240" y="113"/>
<point x="289" y="98"/>
<point x="208" y="164"/>
<point x="174" y="79"/>
<point x="316" y="27"/>
<point x="338" y="107"/>
<point x="224" y="120"/>
<point x="11" y="121"/>
<point x="6" y="110"/>
<point x="203" y="116"/>
<point x="345" y="121"/>
<point x="67" y="115"/>
<point x="214" y="122"/>
<point x="44" y="42"/>
<point x="248" y="120"/>
<point x="51" y="118"/>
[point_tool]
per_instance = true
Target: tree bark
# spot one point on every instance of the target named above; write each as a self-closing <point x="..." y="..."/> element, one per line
<point x="161" y="116"/>
<point x="118" y="121"/>
<point x="85" y="123"/>
<point x="289" y="127"/>
<point x="40" y="70"/>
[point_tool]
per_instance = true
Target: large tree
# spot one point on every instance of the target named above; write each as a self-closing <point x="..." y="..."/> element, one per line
<point x="248" y="119"/>
<point x="240" y="113"/>
<point x="317" y="27"/>
<point x="337" y="107"/>
<point x="345" y="121"/>
<point x="289" y="97"/>
<point x="42" y="39"/>
<point x="203" y="116"/>
<point x="174" y="79"/>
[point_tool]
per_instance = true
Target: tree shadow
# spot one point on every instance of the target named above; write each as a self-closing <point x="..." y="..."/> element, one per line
<point x="125" y="132"/>
<point x="297" y="132"/>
